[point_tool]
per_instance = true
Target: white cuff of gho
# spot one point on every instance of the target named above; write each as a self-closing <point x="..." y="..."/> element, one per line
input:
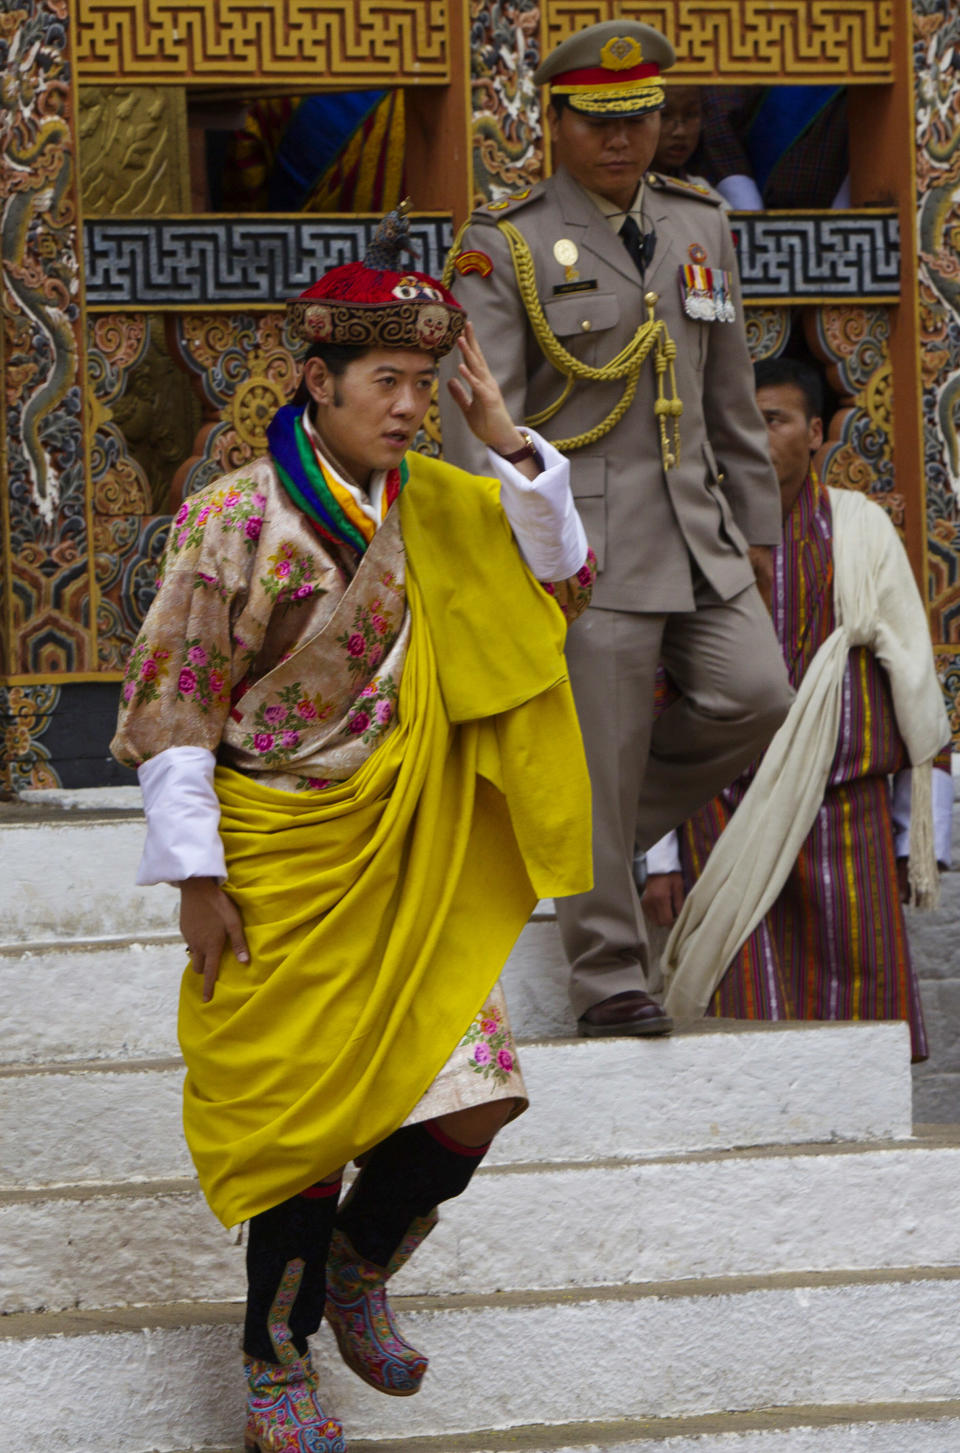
<point x="664" y="855"/>
<point x="741" y="192"/>
<point x="183" y="817"/>
<point x="542" y="513"/>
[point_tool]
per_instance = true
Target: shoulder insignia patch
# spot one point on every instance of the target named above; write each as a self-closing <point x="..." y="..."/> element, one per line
<point x="473" y="260"/>
<point x="661" y="183"/>
<point x="511" y="201"/>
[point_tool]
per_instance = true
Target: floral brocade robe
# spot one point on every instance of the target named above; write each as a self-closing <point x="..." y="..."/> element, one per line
<point x="283" y="655"/>
<point x="275" y="650"/>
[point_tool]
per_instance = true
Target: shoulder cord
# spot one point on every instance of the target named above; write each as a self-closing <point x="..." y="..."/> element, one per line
<point x="627" y="364"/>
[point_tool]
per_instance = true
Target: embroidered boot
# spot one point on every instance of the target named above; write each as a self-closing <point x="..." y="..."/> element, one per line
<point x="389" y="1211"/>
<point x="360" y="1315"/>
<point x="283" y="1411"/>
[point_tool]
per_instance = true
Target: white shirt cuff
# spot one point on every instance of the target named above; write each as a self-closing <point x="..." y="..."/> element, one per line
<point x="542" y="513"/>
<point x="183" y="817"/>
<point x="741" y="192"/>
<point x="664" y="856"/>
<point x="942" y="814"/>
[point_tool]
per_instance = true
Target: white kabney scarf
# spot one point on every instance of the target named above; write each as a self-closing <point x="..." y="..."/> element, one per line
<point x="877" y="605"/>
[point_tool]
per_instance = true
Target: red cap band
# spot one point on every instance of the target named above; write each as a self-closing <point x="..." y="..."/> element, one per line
<point x="603" y="76"/>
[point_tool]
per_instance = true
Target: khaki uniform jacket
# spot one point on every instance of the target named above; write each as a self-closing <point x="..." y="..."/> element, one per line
<point x="643" y="523"/>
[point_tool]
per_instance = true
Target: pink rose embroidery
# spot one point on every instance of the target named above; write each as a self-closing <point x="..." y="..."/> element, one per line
<point x="302" y="591"/>
<point x="283" y="569"/>
<point x="232" y="499"/>
<point x="216" y="681"/>
<point x="254" y="526"/>
<point x="148" y="670"/>
<point x="489" y="1026"/>
<point x="204" y="515"/>
<point x="187" y="682"/>
<point x="481" y="1054"/>
<point x="318" y="783"/>
<point x="505" y="1061"/>
<point x="259" y="500"/>
<point x="263" y="741"/>
<point x="275" y="714"/>
<point x="290" y="739"/>
<point x="306" y="710"/>
<point x="584" y="575"/>
<point x="383" y="711"/>
<point x="356" y="644"/>
<point x="128" y="691"/>
<point x="376" y="656"/>
<point x="197" y="656"/>
<point x="181" y="514"/>
<point x="379" y="625"/>
<point x="359" y="723"/>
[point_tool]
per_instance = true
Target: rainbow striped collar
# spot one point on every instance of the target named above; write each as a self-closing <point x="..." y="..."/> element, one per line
<point x="328" y="506"/>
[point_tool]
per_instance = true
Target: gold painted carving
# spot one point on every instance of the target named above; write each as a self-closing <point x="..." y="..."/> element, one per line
<point x="768" y="329"/>
<point x="133" y="150"/>
<point x="352" y="42"/>
<point x="752" y="40"/>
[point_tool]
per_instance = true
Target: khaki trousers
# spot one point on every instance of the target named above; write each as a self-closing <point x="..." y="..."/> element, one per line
<point x="649" y="777"/>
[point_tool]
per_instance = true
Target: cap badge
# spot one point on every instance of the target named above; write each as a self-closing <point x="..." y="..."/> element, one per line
<point x="565" y="251"/>
<point x="621" y="53"/>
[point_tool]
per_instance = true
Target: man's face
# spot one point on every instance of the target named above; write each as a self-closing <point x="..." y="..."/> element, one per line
<point x="679" y="127"/>
<point x="606" y="154"/>
<point x="369" y="415"/>
<point x="791" y="437"/>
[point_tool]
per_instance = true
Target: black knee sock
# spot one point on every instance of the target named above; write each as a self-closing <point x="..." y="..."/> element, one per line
<point x="286" y="1262"/>
<point x="406" y="1176"/>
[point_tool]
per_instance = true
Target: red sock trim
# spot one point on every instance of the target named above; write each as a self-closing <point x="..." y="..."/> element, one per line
<point x="322" y="1190"/>
<point x="474" y="1152"/>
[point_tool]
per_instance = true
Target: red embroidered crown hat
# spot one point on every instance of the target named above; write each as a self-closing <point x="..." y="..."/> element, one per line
<point x="376" y="303"/>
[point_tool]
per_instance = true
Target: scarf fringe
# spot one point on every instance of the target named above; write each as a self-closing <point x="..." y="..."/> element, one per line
<point x="923" y="873"/>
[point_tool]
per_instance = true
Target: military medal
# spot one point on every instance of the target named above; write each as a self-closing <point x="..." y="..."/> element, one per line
<point x="706" y="294"/>
<point x="696" y="253"/>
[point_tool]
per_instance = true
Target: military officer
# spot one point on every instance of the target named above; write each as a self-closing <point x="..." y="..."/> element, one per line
<point x="607" y="302"/>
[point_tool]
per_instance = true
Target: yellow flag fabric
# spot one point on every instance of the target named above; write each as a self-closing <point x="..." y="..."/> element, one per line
<point x="379" y="912"/>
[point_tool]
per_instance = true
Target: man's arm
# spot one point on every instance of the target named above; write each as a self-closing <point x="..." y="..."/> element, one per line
<point x="734" y="424"/>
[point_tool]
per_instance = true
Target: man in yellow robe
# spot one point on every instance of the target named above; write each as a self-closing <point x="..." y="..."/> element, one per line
<point x="334" y="705"/>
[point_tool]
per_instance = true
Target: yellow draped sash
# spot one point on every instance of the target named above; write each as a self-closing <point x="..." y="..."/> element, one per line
<point x="379" y="912"/>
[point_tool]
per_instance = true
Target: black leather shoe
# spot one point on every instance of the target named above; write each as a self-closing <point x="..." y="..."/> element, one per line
<point x="632" y="1012"/>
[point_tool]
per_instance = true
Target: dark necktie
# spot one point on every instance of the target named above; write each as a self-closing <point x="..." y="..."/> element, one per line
<point x="640" y="245"/>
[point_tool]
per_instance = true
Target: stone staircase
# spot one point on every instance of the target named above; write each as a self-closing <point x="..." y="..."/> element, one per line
<point x="726" y="1242"/>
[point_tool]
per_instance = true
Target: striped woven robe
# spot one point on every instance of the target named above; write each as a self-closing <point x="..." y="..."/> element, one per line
<point x="834" y="944"/>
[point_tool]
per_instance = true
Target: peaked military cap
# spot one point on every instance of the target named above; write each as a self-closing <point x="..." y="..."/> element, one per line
<point x="610" y="69"/>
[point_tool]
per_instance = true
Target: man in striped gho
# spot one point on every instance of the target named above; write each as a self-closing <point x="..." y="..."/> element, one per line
<point x="797" y="910"/>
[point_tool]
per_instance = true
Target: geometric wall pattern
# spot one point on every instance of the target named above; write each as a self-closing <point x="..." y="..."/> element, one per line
<point x="213" y="262"/>
<point x="753" y="40"/>
<point x="810" y="258"/>
<point x="176" y="265"/>
<point x="352" y="42"/>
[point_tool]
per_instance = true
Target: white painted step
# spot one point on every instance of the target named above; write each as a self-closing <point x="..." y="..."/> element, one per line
<point x="500" y="1362"/>
<point x="723" y="1086"/>
<point x="919" y="1428"/>
<point x="117" y="999"/>
<point x="713" y="1215"/>
<point x="71" y="879"/>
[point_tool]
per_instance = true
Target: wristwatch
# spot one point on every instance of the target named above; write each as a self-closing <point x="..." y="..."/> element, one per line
<point x="529" y="450"/>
